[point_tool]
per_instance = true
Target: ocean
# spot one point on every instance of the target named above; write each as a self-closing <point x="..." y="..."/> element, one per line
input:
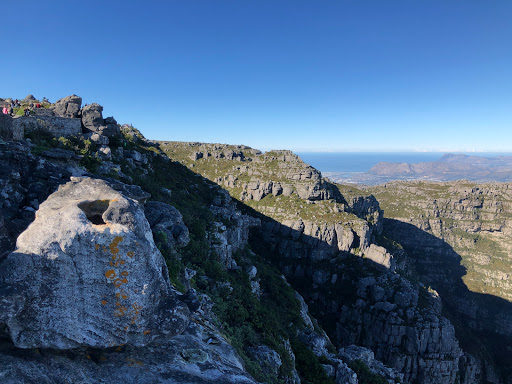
<point x="356" y="162"/>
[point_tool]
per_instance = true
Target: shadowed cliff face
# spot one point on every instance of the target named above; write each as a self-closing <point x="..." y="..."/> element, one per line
<point x="474" y="219"/>
<point x="460" y="236"/>
<point x="479" y="319"/>
<point x="318" y="259"/>
<point x="324" y="243"/>
<point x="359" y="302"/>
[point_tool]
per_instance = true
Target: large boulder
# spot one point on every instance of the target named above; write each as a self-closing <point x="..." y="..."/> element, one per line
<point x="92" y="118"/>
<point x="68" y="106"/>
<point x="167" y="224"/>
<point x="87" y="272"/>
<point x="110" y="127"/>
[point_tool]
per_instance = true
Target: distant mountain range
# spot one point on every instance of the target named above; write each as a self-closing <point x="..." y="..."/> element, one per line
<point x="450" y="167"/>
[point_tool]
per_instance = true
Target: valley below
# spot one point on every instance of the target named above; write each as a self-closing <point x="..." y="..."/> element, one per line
<point x="124" y="258"/>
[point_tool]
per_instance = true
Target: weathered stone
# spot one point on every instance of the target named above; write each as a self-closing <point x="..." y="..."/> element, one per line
<point x="87" y="272"/>
<point x="6" y="129"/>
<point x="268" y="359"/>
<point x="366" y="356"/>
<point x="380" y="256"/>
<point x="44" y="111"/>
<point x="344" y="375"/>
<point x="68" y="106"/>
<point x="57" y="126"/>
<point x="167" y="224"/>
<point x="59" y="154"/>
<point x="105" y="153"/>
<point x="132" y="191"/>
<point x="111" y="127"/>
<point x="97" y="138"/>
<point x="92" y="118"/>
<point x="191" y="358"/>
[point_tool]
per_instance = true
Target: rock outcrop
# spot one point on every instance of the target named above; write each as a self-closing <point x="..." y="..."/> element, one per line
<point x="227" y="239"/>
<point x="167" y="224"/>
<point x="56" y="126"/>
<point x="75" y="283"/>
<point x="68" y="106"/>
<point x="458" y="236"/>
<point x="92" y="120"/>
<point x="317" y="231"/>
<point x="87" y="273"/>
<point x="26" y="180"/>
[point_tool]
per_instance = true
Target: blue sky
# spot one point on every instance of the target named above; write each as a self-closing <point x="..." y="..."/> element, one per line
<point x="359" y="75"/>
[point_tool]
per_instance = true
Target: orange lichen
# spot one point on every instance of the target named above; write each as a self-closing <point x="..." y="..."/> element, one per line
<point x="104" y="302"/>
<point x="119" y="282"/>
<point x="123" y="295"/>
<point x="113" y="246"/>
<point x="118" y="278"/>
<point x="117" y="263"/>
<point x="120" y="311"/>
<point x="97" y="246"/>
<point x="146" y="332"/>
<point x="110" y="274"/>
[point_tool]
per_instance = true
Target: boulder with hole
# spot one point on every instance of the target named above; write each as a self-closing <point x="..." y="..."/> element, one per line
<point x="87" y="272"/>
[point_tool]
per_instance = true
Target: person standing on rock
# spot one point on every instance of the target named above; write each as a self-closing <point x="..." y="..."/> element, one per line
<point x="4" y="110"/>
<point x="27" y="111"/>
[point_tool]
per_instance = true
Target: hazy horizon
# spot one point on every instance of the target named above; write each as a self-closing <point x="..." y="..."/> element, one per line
<point x="326" y="76"/>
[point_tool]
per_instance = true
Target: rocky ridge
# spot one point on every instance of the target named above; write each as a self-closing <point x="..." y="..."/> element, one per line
<point x="221" y="255"/>
<point x="194" y="351"/>
<point x="314" y="254"/>
<point x="458" y="235"/>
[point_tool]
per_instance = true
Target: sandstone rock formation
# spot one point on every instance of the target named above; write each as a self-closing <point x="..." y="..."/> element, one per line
<point x="87" y="272"/>
<point x="361" y="300"/>
<point x="314" y="228"/>
<point x="167" y="224"/>
<point x="92" y="120"/>
<point x="458" y="236"/>
<point x="57" y="126"/>
<point x="68" y="106"/>
<point x="92" y="117"/>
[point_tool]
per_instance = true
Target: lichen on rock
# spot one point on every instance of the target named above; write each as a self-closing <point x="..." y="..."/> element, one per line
<point x="87" y="272"/>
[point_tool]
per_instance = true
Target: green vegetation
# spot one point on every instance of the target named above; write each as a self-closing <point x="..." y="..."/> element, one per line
<point x="308" y="365"/>
<point x="245" y="320"/>
<point x="364" y="375"/>
<point x="467" y="216"/>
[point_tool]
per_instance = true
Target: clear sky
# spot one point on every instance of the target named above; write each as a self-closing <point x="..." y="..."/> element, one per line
<point x="375" y="75"/>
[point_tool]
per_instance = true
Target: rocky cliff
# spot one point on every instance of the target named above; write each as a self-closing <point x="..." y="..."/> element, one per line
<point x="314" y="236"/>
<point x="458" y="235"/>
<point x="84" y="282"/>
<point x="86" y="277"/>
<point x="190" y="262"/>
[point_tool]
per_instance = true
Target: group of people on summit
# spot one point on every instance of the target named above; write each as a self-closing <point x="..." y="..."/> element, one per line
<point x="8" y="109"/>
